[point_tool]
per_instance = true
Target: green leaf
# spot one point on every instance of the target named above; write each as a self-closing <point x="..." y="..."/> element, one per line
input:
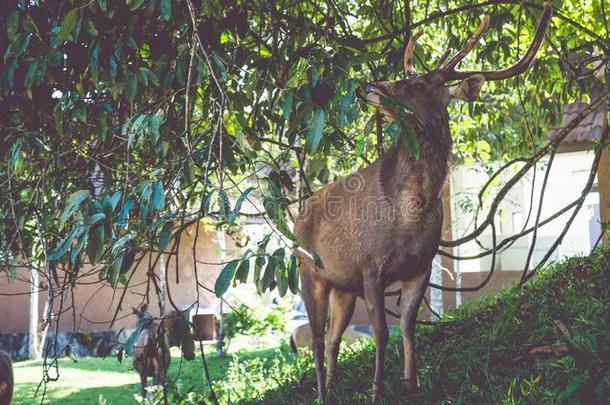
<point x="119" y="245"/>
<point x="280" y="275"/>
<point x="131" y="88"/>
<point x="224" y="207"/>
<point x="315" y="130"/>
<point x="145" y="201"/>
<point x="276" y="214"/>
<point x="67" y="25"/>
<point x="206" y="203"/>
<point x="12" y="23"/>
<point x="95" y="218"/>
<point x="142" y="77"/>
<point x="235" y="213"/>
<point x="64" y="244"/>
<point x="286" y="105"/>
<point x="225" y="277"/>
<point x="259" y="263"/>
<point x="74" y="200"/>
<point x="166" y="9"/>
<point x="314" y="75"/>
<point x="134" y="4"/>
<point x="114" y="200"/>
<point x="365" y="58"/>
<point x="165" y="236"/>
<point x="242" y="271"/>
<point x="269" y="275"/>
<point x="393" y="102"/>
<point x="157" y="200"/>
<point x="274" y="189"/>
<point x="409" y="138"/>
<point x="297" y="75"/>
<point x="220" y="69"/>
<point x="281" y="280"/>
<point x="82" y="238"/>
<point x="293" y="275"/>
<point x="113" y="271"/>
<point x="18" y="45"/>
<point x="103" y="126"/>
<point x="16" y="155"/>
<point x="94" y="57"/>
<point x="155" y="123"/>
<point x="122" y="219"/>
<point x="95" y="247"/>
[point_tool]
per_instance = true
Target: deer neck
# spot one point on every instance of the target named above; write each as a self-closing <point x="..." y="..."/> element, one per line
<point x="404" y="176"/>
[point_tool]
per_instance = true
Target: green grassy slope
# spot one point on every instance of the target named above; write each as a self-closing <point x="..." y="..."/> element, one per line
<point x="481" y="354"/>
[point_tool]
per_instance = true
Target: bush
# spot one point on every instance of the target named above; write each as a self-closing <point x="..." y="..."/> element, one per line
<point x="243" y="320"/>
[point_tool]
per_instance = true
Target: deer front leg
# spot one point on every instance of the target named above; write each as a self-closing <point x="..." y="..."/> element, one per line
<point x="375" y="305"/>
<point x="315" y="296"/>
<point x="412" y="294"/>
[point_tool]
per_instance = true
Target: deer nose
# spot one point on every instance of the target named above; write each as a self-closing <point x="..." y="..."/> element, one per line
<point x="369" y="87"/>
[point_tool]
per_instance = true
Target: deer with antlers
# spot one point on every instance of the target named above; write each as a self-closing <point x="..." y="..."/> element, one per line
<point x="382" y="224"/>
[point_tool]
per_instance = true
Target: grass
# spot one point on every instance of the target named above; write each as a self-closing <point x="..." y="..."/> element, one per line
<point x="479" y="355"/>
<point x="106" y="381"/>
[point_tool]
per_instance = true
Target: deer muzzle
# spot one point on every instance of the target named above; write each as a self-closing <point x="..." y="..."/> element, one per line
<point x="373" y="93"/>
<point x="376" y="91"/>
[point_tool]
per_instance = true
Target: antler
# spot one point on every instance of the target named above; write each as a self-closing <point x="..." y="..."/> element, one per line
<point x="470" y="44"/>
<point x="408" y="57"/>
<point x="521" y="66"/>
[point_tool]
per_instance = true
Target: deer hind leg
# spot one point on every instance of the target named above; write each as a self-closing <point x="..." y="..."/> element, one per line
<point x="412" y="294"/>
<point x="315" y="296"/>
<point x="375" y="305"/>
<point x="341" y="306"/>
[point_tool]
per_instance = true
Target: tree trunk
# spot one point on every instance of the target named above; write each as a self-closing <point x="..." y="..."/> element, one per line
<point x="162" y="284"/>
<point x="220" y="236"/>
<point x="33" y="338"/>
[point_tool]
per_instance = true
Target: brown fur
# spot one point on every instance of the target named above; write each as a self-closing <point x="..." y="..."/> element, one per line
<point x="6" y="378"/>
<point x="382" y="224"/>
<point x="372" y="228"/>
<point x="151" y="355"/>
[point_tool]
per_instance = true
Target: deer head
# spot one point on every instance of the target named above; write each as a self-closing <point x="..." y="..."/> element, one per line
<point x="431" y="91"/>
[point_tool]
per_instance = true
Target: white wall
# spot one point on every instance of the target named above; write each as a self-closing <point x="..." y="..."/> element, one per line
<point x="567" y="177"/>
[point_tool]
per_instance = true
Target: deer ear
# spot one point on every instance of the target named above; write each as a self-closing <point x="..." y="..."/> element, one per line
<point x="468" y="89"/>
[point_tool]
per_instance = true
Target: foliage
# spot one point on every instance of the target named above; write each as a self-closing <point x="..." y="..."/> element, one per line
<point x="124" y="122"/>
<point x="243" y="320"/>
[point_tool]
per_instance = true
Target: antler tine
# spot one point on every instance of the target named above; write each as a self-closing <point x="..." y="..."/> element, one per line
<point x="470" y="44"/>
<point x="442" y="59"/>
<point x="408" y="56"/>
<point x="523" y="64"/>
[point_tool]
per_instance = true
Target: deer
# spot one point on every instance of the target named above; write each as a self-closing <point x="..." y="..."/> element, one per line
<point x="151" y="350"/>
<point x="382" y="224"/>
<point x="6" y="378"/>
<point x="151" y="355"/>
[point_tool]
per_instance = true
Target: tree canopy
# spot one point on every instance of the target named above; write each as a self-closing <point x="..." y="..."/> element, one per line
<point x="124" y="121"/>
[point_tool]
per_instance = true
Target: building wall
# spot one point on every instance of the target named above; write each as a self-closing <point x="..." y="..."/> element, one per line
<point x="567" y="178"/>
<point x="95" y="303"/>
